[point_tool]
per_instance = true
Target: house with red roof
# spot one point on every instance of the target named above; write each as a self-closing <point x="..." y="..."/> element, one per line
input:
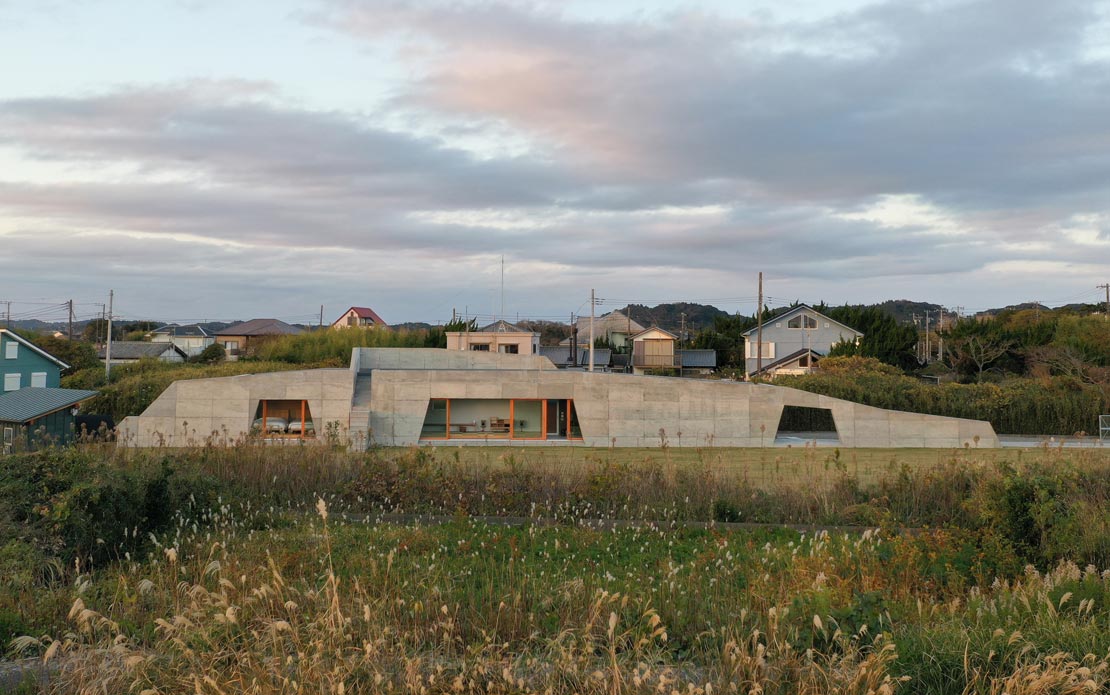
<point x="359" y="317"/>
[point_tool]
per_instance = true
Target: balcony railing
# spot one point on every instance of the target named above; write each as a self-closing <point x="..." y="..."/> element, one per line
<point x="657" y="361"/>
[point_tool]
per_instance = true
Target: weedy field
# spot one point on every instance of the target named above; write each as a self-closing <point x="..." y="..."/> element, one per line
<point x="260" y="570"/>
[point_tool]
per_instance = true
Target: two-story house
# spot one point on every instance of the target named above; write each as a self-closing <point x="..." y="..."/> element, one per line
<point x="500" y="336"/>
<point x="191" y="339"/>
<point x="793" y="342"/>
<point x="23" y="364"/>
<point x="359" y="317"/>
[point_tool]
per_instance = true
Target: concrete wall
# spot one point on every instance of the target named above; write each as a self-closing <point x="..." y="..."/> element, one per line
<point x="626" y="410"/>
<point x="221" y="409"/>
<point x="367" y="359"/>
<point x="396" y="384"/>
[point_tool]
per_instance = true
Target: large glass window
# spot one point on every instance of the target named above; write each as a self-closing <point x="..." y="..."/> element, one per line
<point x="283" y="419"/>
<point x="802" y="321"/>
<point x="500" y="418"/>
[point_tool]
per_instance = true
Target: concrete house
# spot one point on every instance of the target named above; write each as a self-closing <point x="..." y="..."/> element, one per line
<point x="131" y="351"/>
<point x="359" y="317"/>
<point x="239" y="338"/>
<point x="499" y="336"/>
<point x="413" y="396"/>
<point x="793" y="342"/>
<point x="191" y="339"/>
<point x="23" y="364"/>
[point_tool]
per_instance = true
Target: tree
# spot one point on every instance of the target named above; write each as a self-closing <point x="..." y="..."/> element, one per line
<point x="76" y="354"/>
<point x="978" y="350"/>
<point x="211" y="354"/>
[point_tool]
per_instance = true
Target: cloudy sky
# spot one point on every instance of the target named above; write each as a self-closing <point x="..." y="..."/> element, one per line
<point x="221" y="159"/>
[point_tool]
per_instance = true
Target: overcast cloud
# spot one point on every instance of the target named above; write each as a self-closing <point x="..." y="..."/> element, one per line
<point x="956" y="152"/>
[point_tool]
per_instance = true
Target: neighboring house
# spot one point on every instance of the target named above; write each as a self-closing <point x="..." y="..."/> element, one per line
<point x="653" y="350"/>
<point x="239" y="338"/>
<point x="792" y="342"/>
<point x="560" y="356"/>
<point x="697" y="362"/>
<point x="359" y="317"/>
<point x="23" y="364"/>
<point x="127" y="352"/>
<point x="500" y="336"/>
<point x="192" y="339"/>
<point x="615" y="327"/>
<point x="31" y="418"/>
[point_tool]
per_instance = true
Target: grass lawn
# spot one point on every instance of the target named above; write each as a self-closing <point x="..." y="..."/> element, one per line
<point x="762" y="466"/>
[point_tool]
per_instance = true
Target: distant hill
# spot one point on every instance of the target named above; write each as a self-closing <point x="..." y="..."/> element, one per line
<point x="411" y="326"/>
<point x="903" y="310"/>
<point x="669" y="316"/>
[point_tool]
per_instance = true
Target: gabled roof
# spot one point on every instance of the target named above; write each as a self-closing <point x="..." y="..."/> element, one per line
<point x="794" y="312"/>
<point x="364" y="312"/>
<point x="193" y="330"/>
<point x="30" y="403"/>
<point x="136" y="350"/>
<point x="32" y="347"/>
<point x="655" y="328"/>
<point x="502" y="326"/>
<point x="813" y="357"/>
<point x="261" y="327"/>
<point x="698" y="358"/>
<point x="613" y="322"/>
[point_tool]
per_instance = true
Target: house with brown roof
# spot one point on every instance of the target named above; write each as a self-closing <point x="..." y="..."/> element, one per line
<point x="239" y="338"/>
<point x="359" y="317"/>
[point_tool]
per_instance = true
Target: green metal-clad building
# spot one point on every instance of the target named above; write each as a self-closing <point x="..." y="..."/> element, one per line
<point x="32" y="418"/>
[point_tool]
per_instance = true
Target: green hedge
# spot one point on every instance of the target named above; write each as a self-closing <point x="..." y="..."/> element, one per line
<point x="1055" y="405"/>
<point x="135" y="386"/>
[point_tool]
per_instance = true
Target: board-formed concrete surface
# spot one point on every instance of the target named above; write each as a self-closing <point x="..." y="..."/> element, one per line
<point x="383" y="399"/>
<point x="220" y="410"/>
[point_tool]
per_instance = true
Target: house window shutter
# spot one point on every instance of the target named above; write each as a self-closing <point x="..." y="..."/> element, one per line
<point x="11" y="350"/>
<point x="11" y="382"/>
<point x="38" y="379"/>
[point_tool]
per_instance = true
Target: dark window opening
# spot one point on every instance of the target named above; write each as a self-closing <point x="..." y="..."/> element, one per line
<point x="284" y="418"/>
<point x="798" y="419"/>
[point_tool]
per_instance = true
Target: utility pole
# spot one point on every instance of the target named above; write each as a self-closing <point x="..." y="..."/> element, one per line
<point x="321" y="316"/>
<point x="573" y="341"/>
<point x="593" y="300"/>
<point x="9" y="315"/>
<point x="108" y="343"/>
<point x="70" y="332"/>
<point x="928" y="348"/>
<point x="1107" y="288"/>
<point x="759" y="329"/>
<point x="940" y="337"/>
<point x="917" y="327"/>
<point x="682" y="331"/>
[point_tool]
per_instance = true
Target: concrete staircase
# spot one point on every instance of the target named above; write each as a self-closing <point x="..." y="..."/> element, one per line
<point x="360" y="411"/>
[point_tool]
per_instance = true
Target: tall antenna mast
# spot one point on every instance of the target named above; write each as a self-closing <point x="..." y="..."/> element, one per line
<point x="502" y="287"/>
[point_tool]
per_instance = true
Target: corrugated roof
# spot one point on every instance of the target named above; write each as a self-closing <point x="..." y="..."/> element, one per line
<point x="698" y="358"/>
<point x="136" y="350"/>
<point x="31" y="403"/>
<point x="261" y="327"/>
